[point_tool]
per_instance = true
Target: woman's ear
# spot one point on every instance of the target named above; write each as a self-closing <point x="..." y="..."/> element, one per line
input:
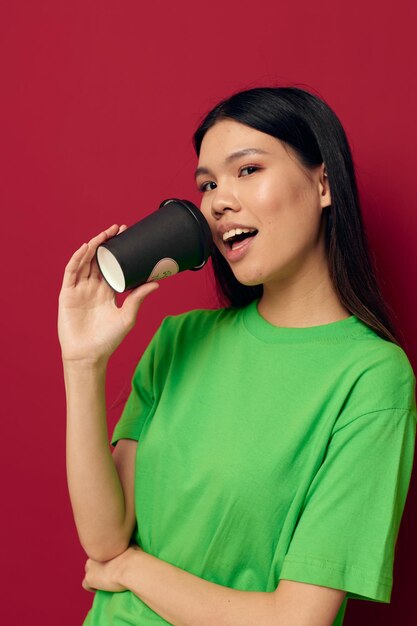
<point x="324" y="187"/>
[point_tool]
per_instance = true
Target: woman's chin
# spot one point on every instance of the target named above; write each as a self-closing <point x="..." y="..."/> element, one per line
<point x="248" y="281"/>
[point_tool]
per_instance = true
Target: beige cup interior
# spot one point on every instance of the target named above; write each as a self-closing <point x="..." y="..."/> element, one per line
<point x="111" y="270"/>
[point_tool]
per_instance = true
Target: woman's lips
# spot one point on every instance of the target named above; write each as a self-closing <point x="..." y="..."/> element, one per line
<point x="239" y="249"/>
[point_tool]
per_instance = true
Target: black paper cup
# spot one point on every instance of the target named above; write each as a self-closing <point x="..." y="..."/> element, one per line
<point x="174" y="238"/>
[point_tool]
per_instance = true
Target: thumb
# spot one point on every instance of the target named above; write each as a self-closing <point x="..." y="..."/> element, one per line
<point x="132" y="303"/>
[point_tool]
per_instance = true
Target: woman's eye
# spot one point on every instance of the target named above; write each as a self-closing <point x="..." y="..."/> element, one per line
<point x="249" y="167"/>
<point x="252" y="168"/>
<point x="203" y="186"/>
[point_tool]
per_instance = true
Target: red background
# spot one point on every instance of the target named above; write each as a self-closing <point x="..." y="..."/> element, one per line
<point x="99" y="102"/>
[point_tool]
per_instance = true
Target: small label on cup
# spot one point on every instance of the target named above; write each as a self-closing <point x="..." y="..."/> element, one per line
<point x="164" y="268"/>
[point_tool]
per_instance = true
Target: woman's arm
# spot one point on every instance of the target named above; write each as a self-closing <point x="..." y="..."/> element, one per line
<point x="184" y="599"/>
<point x="90" y="327"/>
<point x="101" y="493"/>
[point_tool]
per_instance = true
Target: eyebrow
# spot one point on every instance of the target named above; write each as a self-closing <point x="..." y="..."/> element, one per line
<point x="232" y="157"/>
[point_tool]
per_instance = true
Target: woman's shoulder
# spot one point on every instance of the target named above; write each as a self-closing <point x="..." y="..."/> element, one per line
<point x="382" y="379"/>
<point x="385" y="360"/>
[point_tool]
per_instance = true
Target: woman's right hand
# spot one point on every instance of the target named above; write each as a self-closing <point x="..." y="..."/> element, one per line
<point x="90" y="324"/>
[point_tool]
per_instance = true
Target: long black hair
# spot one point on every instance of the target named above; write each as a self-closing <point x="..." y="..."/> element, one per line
<point x="307" y="124"/>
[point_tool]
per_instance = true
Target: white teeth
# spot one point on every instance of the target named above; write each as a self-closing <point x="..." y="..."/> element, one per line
<point x="237" y="231"/>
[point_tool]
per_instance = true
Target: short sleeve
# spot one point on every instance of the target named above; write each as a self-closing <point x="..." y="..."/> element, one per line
<point x="346" y="532"/>
<point x="141" y="399"/>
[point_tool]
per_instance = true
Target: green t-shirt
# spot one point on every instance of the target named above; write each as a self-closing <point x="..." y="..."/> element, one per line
<point x="268" y="452"/>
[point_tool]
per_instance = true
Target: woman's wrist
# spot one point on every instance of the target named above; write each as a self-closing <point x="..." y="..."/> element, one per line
<point x="89" y="364"/>
<point x="84" y="375"/>
<point x="130" y="563"/>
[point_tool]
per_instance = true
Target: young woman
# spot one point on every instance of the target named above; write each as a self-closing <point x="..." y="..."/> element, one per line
<point x="262" y="461"/>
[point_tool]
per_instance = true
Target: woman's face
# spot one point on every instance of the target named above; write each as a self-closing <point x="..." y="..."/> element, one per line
<point x="267" y="190"/>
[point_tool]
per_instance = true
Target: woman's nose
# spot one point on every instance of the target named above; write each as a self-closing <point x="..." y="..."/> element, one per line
<point x="223" y="200"/>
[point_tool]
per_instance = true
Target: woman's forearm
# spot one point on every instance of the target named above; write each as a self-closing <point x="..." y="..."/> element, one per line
<point x="183" y="599"/>
<point x="94" y="486"/>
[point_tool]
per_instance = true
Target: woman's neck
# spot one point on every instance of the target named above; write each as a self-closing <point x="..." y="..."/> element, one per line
<point x="308" y="299"/>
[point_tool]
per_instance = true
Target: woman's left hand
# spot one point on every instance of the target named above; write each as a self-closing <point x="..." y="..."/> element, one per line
<point x="106" y="575"/>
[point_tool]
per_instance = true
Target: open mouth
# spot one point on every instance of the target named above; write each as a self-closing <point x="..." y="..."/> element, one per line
<point x="238" y="238"/>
